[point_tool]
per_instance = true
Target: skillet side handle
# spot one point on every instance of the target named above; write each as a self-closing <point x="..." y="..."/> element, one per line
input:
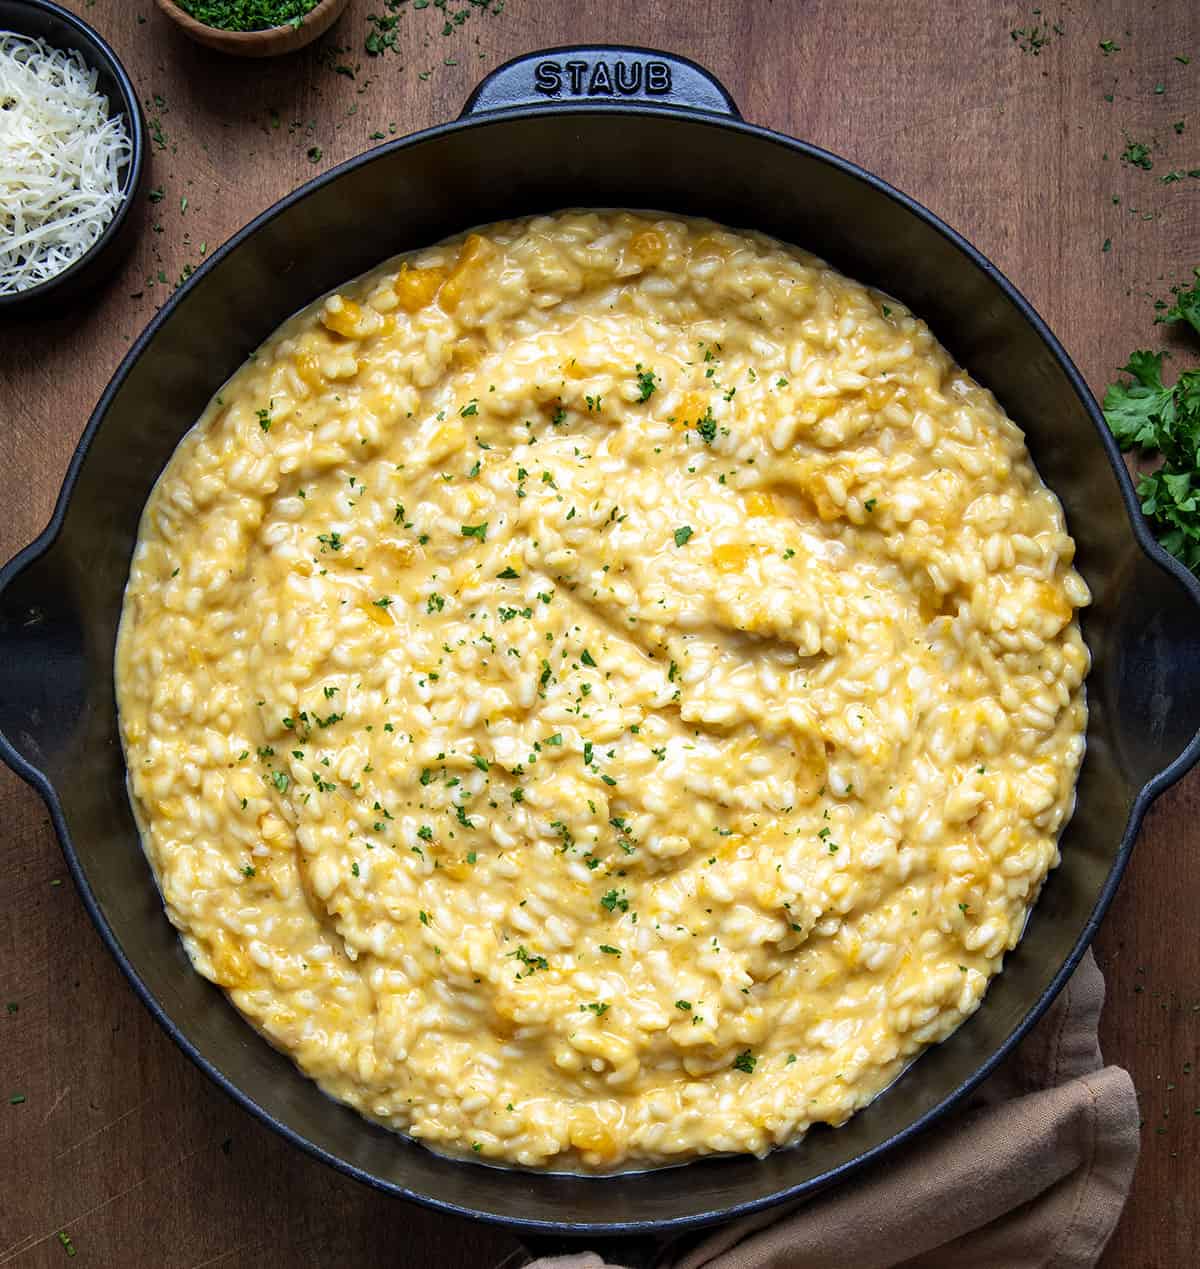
<point x="601" y="74"/>
<point x="42" y="674"/>
<point x="1154" y="683"/>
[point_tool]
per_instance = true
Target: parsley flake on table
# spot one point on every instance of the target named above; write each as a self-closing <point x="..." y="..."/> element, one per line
<point x="1137" y="154"/>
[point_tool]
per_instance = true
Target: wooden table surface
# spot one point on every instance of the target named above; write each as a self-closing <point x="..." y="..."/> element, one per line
<point x="119" y="1140"/>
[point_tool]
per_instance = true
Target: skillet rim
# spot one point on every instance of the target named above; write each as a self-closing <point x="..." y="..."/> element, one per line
<point x="1145" y="541"/>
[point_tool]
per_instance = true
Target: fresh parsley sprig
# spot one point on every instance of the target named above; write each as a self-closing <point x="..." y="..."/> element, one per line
<point x="1145" y="414"/>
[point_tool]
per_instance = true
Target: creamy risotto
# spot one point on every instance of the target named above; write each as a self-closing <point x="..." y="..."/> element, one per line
<point x="602" y="691"/>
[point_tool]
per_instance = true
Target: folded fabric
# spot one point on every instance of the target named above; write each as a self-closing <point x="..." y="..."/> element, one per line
<point x="1031" y="1174"/>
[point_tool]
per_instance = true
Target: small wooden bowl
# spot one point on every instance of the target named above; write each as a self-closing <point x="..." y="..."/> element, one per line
<point x="269" y="43"/>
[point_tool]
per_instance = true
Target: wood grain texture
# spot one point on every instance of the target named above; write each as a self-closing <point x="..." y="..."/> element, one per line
<point x="120" y="1141"/>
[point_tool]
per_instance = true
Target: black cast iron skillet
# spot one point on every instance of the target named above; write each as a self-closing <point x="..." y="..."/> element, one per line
<point x="607" y="127"/>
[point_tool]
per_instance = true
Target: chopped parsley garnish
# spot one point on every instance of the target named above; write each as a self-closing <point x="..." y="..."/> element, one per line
<point x="245" y="15"/>
<point x="330" y="541"/>
<point x="586" y="658"/>
<point x="597" y="1007"/>
<point x="382" y="602"/>
<point x="425" y="833"/>
<point x="264" y="418"/>
<point x="706" y="426"/>
<point x="481" y="762"/>
<point x="685" y="1005"/>
<point x="472" y="407"/>
<point x="610" y="951"/>
<point x="614" y="902"/>
<point x="646" y="382"/>
<point x="509" y="574"/>
<point x="532" y="963"/>
<point x="682" y="534"/>
<point x="281" y="780"/>
<point x="475" y="531"/>
<point x="435" y="602"/>
<point x="745" y="1061"/>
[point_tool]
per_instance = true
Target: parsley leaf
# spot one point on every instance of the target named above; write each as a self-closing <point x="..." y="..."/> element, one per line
<point x="682" y="534"/>
<point x="1141" y="412"/>
<point x="1187" y="305"/>
<point x="1145" y="414"/>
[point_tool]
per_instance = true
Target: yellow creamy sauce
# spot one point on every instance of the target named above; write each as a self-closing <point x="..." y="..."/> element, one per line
<point x="602" y="691"/>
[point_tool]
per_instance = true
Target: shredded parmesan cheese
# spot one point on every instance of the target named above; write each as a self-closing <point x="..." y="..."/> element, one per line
<point x="62" y="159"/>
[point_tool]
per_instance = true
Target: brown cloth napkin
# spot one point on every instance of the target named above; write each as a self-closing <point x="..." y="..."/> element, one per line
<point x="1033" y="1172"/>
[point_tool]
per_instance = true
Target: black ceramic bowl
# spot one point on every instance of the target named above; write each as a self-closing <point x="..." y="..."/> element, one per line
<point x="43" y="20"/>
<point x="609" y="128"/>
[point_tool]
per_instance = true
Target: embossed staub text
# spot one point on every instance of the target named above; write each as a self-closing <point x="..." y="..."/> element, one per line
<point x="601" y="77"/>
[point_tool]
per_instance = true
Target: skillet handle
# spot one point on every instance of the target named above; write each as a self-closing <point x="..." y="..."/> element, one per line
<point x="43" y="681"/>
<point x="1153" y="681"/>
<point x="599" y="75"/>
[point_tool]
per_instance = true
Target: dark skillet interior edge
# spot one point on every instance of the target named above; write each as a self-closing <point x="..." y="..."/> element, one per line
<point x="56" y="696"/>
